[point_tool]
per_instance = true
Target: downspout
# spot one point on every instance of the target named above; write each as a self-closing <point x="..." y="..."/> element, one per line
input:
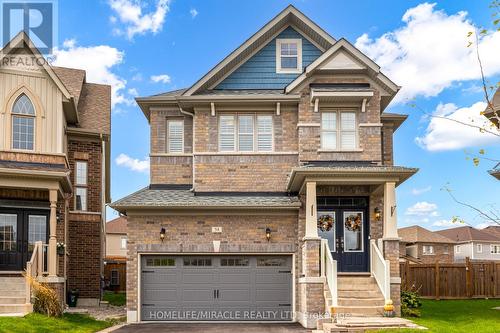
<point x="103" y="212"/>
<point x="192" y="145"/>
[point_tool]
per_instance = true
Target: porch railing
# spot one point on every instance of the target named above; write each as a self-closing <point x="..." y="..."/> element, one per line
<point x="380" y="269"/>
<point x="329" y="270"/>
<point x="36" y="266"/>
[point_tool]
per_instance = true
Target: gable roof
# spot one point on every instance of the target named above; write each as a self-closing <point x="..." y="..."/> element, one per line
<point x="289" y="16"/>
<point x="418" y="234"/>
<point x="94" y="108"/>
<point x="493" y="229"/>
<point x="467" y="234"/>
<point x="72" y="79"/>
<point x="117" y="226"/>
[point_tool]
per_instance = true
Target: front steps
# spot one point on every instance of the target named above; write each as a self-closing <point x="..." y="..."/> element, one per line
<point x="362" y="324"/>
<point x="359" y="295"/>
<point x="13" y="296"/>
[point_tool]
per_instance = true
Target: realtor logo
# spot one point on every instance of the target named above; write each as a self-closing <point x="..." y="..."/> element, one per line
<point x="37" y="18"/>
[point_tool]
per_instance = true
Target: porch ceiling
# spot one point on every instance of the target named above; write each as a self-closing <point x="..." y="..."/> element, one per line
<point x="347" y="175"/>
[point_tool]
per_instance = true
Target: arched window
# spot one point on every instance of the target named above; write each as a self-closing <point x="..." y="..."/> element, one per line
<point x="23" y="123"/>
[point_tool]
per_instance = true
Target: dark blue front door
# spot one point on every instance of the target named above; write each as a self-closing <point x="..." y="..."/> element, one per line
<point x="343" y="222"/>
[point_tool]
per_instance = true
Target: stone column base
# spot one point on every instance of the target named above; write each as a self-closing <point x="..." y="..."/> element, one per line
<point x="312" y="301"/>
<point x="58" y="287"/>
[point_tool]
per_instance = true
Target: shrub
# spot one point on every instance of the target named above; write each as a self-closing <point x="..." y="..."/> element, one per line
<point x="45" y="299"/>
<point x="410" y="302"/>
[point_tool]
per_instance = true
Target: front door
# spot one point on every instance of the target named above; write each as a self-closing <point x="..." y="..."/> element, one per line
<point x="19" y="230"/>
<point x="343" y="222"/>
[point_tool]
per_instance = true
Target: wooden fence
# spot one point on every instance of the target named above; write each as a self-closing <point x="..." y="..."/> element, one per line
<point x="471" y="279"/>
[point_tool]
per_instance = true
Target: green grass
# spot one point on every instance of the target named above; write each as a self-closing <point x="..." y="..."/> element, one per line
<point x="37" y="323"/>
<point x="454" y="316"/>
<point x="116" y="299"/>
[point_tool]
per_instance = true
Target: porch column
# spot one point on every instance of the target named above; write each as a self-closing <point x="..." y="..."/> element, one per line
<point x="311" y="211"/>
<point x="390" y="219"/>
<point x="52" y="251"/>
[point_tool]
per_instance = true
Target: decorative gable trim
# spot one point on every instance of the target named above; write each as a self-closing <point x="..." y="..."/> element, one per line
<point x="287" y="17"/>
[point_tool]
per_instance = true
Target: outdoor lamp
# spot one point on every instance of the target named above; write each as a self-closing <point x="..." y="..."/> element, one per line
<point x="268" y="234"/>
<point x="378" y="214"/>
<point x="162" y="234"/>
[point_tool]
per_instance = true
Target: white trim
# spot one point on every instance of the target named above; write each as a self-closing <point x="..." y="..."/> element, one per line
<point x="246" y="153"/>
<point x="279" y="42"/>
<point x="308" y="124"/>
<point x="167" y="130"/>
<point x="426" y="253"/>
<point x="479" y="248"/>
<point x="494" y="246"/>
<point x="338" y="131"/>
<point x="236" y="116"/>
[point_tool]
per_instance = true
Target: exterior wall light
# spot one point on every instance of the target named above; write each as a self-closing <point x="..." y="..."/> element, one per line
<point x="268" y="234"/>
<point x="378" y="214"/>
<point x="162" y="234"/>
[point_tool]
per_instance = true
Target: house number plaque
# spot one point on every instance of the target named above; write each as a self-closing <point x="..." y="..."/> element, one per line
<point x="216" y="230"/>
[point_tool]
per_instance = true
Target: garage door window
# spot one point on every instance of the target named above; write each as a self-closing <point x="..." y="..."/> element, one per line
<point x="271" y="262"/>
<point x="234" y="262"/>
<point x="198" y="262"/>
<point x="158" y="262"/>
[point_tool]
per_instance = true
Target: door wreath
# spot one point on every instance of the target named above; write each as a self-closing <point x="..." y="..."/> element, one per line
<point x="353" y="222"/>
<point x="325" y="222"/>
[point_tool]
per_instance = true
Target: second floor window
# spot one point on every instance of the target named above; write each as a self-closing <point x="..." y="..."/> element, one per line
<point x="428" y="249"/>
<point x="81" y="173"/>
<point x="495" y="249"/>
<point x="123" y="243"/>
<point x="175" y="136"/>
<point x="23" y="124"/>
<point x="288" y="55"/>
<point x="479" y="248"/>
<point x="245" y="133"/>
<point x="338" y="130"/>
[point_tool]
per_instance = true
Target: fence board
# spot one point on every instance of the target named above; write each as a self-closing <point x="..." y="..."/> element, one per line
<point x="472" y="279"/>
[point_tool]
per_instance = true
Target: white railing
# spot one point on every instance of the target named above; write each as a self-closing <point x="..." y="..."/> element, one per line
<point x="380" y="269"/>
<point x="329" y="270"/>
<point x="35" y="267"/>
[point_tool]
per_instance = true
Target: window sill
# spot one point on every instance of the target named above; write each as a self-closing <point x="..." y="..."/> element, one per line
<point x="247" y="153"/>
<point x="357" y="150"/>
<point x="171" y="155"/>
<point x="287" y="71"/>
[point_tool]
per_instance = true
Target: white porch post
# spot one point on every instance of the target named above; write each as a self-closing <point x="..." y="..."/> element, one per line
<point x="52" y="251"/>
<point x="390" y="218"/>
<point x="311" y="218"/>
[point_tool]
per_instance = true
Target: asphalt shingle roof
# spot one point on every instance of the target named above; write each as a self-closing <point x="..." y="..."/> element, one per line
<point x="466" y="233"/>
<point x="117" y="226"/>
<point x="417" y="234"/>
<point x="183" y="198"/>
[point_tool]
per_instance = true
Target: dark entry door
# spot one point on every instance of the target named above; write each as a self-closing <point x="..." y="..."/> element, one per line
<point x="19" y="230"/>
<point x="343" y="222"/>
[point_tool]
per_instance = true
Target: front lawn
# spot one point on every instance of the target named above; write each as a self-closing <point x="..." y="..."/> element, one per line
<point x="116" y="299"/>
<point x="37" y="323"/>
<point x="454" y="316"/>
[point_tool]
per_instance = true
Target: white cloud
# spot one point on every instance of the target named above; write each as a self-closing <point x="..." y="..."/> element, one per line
<point x="98" y="61"/>
<point x="443" y="134"/>
<point x="133" y="164"/>
<point x="418" y="191"/>
<point x="485" y="224"/>
<point x="163" y="78"/>
<point x="423" y="208"/>
<point x="193" y="12"/>
<point x="429" y="52"/>
<point x="133" y="92"/>
<point x="445" y="223"/>
<point x="130" y="13"/>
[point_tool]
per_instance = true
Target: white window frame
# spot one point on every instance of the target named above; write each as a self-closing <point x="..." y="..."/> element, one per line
<point x="279" y="42"/>
<point x="479" y="248"/>
<point x="168" y="135"/>
<point x="446" y="249"/>
<point x="457" y="249"/>
<point x="338" y="130"/>
<point x="122" y="243"/>
<point x="26" y="116"/>
<point x="236" y="134"/>
<point x="496" y="247"/>
<point x="428" y="253"/>
<point x="82" y="186"/>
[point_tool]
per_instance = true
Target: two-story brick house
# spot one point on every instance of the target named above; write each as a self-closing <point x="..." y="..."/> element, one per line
<point x="54" y="176"/>
<point x="272" y="192"/>
<point x="420" y="245"/>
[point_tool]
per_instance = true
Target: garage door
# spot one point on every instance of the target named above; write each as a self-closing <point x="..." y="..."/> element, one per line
<point x="216" y="288"/>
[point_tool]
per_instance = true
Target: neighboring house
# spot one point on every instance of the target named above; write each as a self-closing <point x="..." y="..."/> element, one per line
<point x="54" y="175"/>
<point x="286" y="134"/>
<point x="495" y="172"/>
<point x="115" y="262"/>
<point x="493" y="114"/>
<point x="493" y="230"/>
<point x="424" y="246"/>
<point x="473" y="243"/>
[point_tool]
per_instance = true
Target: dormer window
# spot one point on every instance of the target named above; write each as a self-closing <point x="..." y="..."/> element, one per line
<point x="23" y="123"/>
<point x="288" y="55"/>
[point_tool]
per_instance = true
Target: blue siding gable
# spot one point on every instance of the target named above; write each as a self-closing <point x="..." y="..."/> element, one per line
<point x="259" y="72"/>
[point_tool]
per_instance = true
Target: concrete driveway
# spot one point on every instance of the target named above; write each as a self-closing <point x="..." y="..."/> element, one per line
<point x="212" y="328"/>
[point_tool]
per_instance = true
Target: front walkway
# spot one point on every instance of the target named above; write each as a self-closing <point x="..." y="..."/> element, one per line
<point x="212" y="328"/>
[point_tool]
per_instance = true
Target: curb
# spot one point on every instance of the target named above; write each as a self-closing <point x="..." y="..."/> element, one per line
<point x="112" y="328"/>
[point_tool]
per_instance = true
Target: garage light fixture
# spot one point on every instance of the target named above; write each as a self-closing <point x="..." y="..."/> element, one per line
<point x="268" y="234"/>
<point x="162" y="234"/>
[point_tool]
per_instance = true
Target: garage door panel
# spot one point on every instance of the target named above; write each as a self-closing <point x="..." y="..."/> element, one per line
<point x="255" y="287"/>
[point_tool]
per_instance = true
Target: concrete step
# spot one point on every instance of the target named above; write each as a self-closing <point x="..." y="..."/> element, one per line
<point x="360" y="287"/>
<point x="362" y="324"/>
<point x="16" y="308"/>
<point x="4" y="300"/>
<point x="361" y="310"/>
<point x="355" y="279"/>
<point x="360" y="294"/>
<point x="13" y="293"/>
<point x="379" y="301"/>
<point x="12" y="283"/>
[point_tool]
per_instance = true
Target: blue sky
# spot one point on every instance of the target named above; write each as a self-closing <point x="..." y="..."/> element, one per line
<point x="164" y="45"/>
